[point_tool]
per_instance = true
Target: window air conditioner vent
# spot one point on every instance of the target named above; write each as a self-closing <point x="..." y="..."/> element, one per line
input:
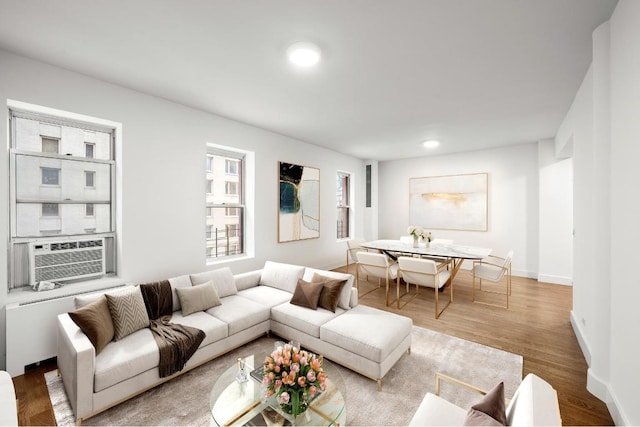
<point x="66" y="260"/>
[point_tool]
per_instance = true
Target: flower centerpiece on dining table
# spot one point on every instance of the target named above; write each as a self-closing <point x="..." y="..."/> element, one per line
<point x="294" y="376"/>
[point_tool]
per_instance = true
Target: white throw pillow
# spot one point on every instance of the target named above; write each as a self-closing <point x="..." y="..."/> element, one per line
<point x="345" y="295"/>
<point x="178" y="282"/>
<point x="222" y="278"/>
<point x="281" y="276"/>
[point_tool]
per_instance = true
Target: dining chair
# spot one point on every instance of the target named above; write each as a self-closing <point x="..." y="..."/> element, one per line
<point x="376" y="265"/>
<point x="353" y="247"/>
<point x="493" y="269"/>
<point x="426" y="273"/>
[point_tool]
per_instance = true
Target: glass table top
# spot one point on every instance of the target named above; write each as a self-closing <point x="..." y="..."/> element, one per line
<point x="244" y="403"/>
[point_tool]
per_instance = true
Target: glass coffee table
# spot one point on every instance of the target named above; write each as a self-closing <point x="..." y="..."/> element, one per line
<point x="244" y="403"/>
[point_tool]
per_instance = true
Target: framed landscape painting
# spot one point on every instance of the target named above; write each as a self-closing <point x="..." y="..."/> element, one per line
<point x="299" y="202"/>
<point x="454" y="202"/>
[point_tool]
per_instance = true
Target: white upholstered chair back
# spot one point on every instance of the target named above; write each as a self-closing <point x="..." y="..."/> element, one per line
<point x="377" y="265"/>
<point x="422" y="272"/>
<point x="493" y="269"/>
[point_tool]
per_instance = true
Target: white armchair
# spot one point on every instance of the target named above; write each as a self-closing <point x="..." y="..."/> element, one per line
<point x="8" y="403"/>
<point x="493" y="269"/>
<point x="376" y="265"/>
<point x="535" y="403"/>
<point x="353" y="247"/>
<point x="427" y="273"/>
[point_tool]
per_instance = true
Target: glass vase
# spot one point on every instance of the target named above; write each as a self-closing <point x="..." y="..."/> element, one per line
<point x="415" y="241"/>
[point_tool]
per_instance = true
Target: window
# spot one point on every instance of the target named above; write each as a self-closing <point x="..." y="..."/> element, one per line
<point x="89" y="179"/>
<point x="48" y="201"/>
<point x="50" y="145"/>
<point x="231" y="167"/>
<point x="50" y="176"/>
<point x="231" y="188"/>
<point x="225" y="205"/>
<point x="343" y="203"/>
<point x="50" y="209"/>
<point x="89" y="149"/>
<point x="209" y="186"/>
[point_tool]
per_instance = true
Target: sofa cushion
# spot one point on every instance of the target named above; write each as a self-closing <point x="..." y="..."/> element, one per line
<point x="281" y="276"/>
<point x="307" y="294"/>
<point x="178" y="282"/>
<point x="198" y="298"/>
<point x="222" y="278"/>
<point x="127" y="311"/>
<point x="126" y="358"/>
<point x="239" y="313"/>
<point x="266" y="295"/>
<point x="490" y="410"/>
<point x="95" y="321"/>
<point x="367" y="331"/>
<point x="8" y="408"/>
<point x="303" y="319"/>
<point x="214" y="329"/>
<point x="345" y="295"/>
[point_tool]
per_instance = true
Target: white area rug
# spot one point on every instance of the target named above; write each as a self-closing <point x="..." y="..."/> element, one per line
<point x="185" y="400"/>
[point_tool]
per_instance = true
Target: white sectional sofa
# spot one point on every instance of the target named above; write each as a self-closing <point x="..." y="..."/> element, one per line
<point x="364" y="339"/>
<point x="8" y="407"/>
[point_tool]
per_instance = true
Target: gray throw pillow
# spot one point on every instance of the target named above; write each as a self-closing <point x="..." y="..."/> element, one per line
<point x="198" y="298"/>
<point x="127" y="311"/>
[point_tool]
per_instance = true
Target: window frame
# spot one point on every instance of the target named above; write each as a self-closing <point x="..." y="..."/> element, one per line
<point x="49" y="116"/>
<point x="225" y="205"/>
<point x="341" y="206"/>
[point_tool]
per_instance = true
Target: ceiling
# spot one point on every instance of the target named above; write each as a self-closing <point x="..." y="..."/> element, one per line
<point x="472" y="73"/>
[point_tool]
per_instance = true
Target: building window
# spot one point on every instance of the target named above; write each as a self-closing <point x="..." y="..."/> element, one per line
<point x="50" y="176"/>
<point x="50" y="145"/>
<point x="89" y="179"/>
<point x="343" y="200"/>
<point x="225" y="205"/>
<point x="209" y="186"/>
<point x="231" y="188"/>
<point x="231" y="167"/>
<point x="48" y="201"/>
<point x="89" y="149"/>
<point x="50" y="209"/>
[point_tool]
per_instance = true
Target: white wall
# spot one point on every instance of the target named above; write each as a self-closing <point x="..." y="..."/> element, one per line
<point x="555" y="251"/>
<point x="603" y="127"/>
<point x="161" y="232"/>
<point x="513" y="199"/>
<point x="625" y="209"/>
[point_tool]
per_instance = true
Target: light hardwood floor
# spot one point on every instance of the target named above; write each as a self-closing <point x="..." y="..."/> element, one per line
<point x="536" y="326"/>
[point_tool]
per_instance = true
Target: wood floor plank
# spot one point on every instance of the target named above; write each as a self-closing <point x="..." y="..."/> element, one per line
<point x="537" y="326"/>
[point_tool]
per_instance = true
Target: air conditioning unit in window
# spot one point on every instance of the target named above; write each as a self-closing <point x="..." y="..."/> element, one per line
<point x="64" y="260"/>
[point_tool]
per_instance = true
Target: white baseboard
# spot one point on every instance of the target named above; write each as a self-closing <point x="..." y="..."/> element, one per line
<point x="577" y="330"/>
<point x="619" y="418"/>
<point x="558" y="280"/>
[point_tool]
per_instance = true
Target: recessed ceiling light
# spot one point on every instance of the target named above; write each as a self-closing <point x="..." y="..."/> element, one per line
<point x="304" y="54"/>
<point x="432" y="143"/>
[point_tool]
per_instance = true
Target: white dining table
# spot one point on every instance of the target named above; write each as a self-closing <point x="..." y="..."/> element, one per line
<point x="456" y="253"/>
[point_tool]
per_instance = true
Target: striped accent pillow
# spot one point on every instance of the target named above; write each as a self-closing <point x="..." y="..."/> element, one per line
<point x="127" y="311"/>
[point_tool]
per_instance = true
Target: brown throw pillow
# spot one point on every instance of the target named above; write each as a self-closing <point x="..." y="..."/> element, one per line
<point x="95" y="321"/>
<point x="491" y="405"/>
<point x="307" y="294"/>
<point x="330" y="294"/>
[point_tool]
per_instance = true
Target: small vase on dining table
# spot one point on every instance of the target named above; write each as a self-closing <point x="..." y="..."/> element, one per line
<point x="415" y="241"/>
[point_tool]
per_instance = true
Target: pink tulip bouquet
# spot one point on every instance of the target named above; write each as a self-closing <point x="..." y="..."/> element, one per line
<point x="295" y="376"/>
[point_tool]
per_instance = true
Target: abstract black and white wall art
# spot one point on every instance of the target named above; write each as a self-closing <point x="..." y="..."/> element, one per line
<point x="299" y="202"/>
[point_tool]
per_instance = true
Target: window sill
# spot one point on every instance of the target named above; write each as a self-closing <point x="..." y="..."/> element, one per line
<point x="228" y="259"/>
<point x="28" y="295"/>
